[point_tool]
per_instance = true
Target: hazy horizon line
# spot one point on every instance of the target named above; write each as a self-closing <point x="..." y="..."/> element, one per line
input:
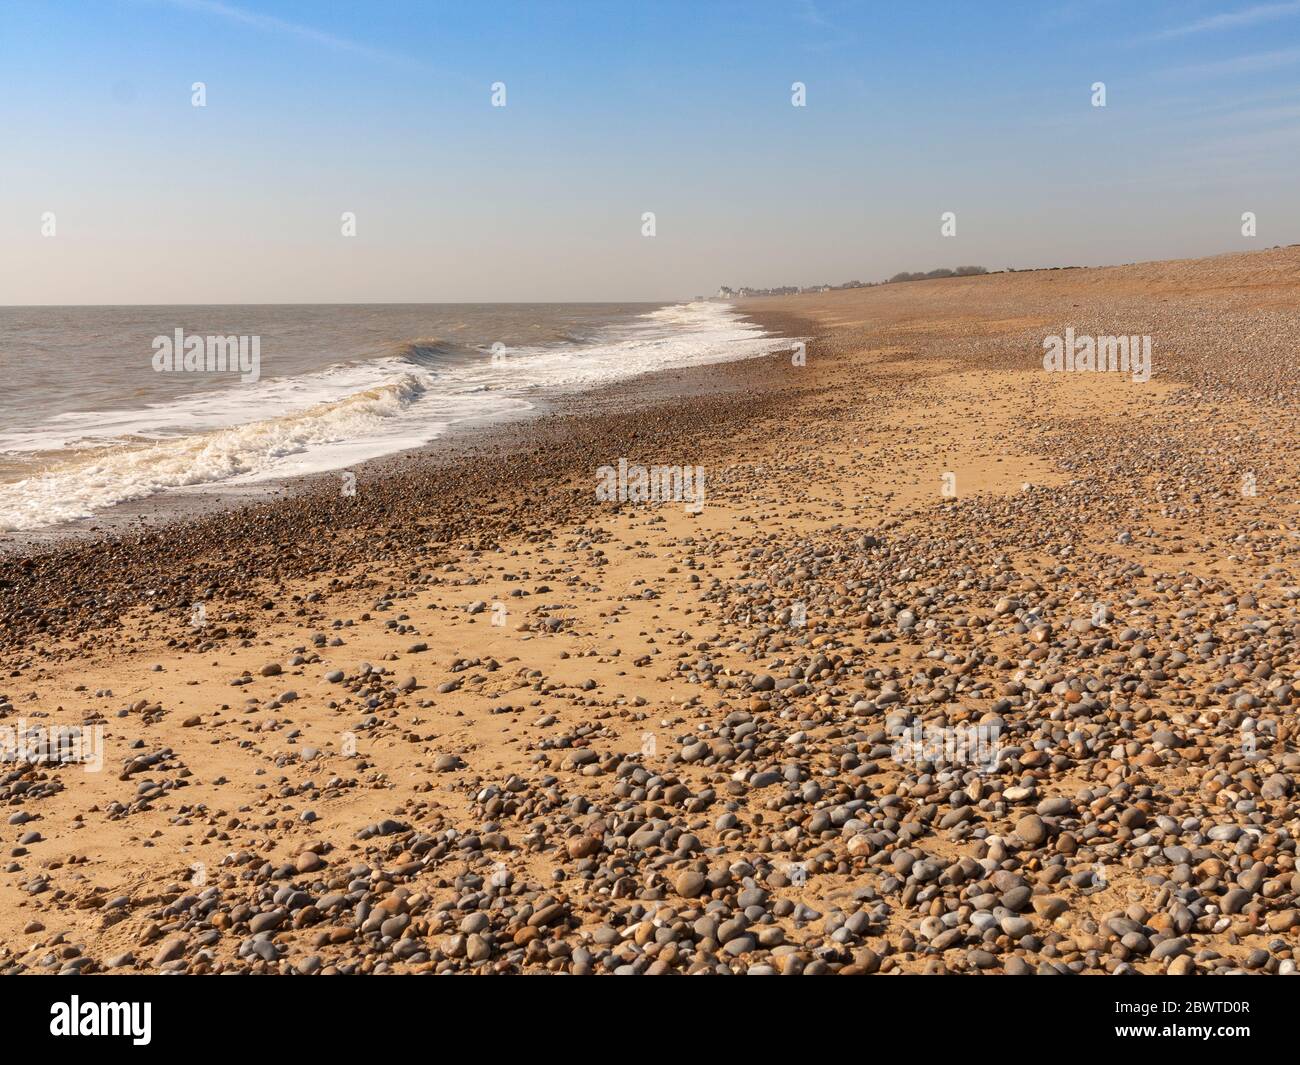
<point x="639" y="300"/>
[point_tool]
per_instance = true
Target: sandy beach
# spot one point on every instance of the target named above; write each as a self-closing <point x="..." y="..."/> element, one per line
<point x="961" y="666"/>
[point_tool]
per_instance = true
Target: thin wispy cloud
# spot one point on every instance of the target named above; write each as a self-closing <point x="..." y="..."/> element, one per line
<point x="1288" y="95"/>
<point x="813" y="15"/>
<point x="833" y="35"/>
<point x="1242" y="64"/>
<point x="272" y="24"/>
<point x="1231" y="20"/>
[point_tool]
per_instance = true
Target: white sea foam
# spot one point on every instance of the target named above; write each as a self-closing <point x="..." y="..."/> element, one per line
<point x="336" y="417"/>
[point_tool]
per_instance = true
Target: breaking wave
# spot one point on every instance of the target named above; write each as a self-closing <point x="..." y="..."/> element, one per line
<point x="83" y="462"/>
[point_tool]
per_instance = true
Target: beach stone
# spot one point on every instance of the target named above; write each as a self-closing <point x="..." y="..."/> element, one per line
<point x="1032" y="830"/>
<point x="1050" y="907"/>
<point x="169" y="949"/>
<point x="308" y="862"/>
<point x="1169" y="948"/>
<point x="690" y="884"/>
<point x="266" y="922"/>
<point x="583" y="846"/>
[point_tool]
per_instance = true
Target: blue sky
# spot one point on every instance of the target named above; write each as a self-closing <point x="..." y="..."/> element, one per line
<point x="383" y="109"/>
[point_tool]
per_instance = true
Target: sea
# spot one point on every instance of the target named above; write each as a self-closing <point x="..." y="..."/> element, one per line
<point x="95" y="413"/>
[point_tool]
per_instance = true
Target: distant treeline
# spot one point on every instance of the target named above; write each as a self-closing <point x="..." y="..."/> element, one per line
<point x="744" y="291"/>
<point x="961" y="271"/>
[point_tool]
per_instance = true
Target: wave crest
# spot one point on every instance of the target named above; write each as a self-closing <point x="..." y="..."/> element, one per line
<point x="78" y="489"/>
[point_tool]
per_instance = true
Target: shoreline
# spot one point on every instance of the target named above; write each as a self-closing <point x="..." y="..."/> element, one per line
<point x="308" y="510"/>
<point x="458" y="418"/>
<point x="541" y="734"/>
